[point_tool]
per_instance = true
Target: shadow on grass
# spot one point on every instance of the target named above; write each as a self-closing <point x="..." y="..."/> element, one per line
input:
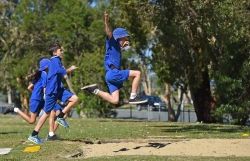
<point x="125" y="119"/>
<point x="201" y="128"/>
<point x="80" y="140"/>
<point x="4" y="133"/>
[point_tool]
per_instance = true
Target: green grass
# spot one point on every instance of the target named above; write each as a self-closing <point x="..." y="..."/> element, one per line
<point x="14" y="133"/>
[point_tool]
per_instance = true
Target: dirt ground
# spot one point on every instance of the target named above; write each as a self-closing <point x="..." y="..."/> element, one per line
<point x="194" y="147"/>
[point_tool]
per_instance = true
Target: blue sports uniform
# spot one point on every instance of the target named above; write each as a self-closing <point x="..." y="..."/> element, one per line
<point x="114" y="77"/>
<point x="36" y="100"/>
<point x="54" y="89"/>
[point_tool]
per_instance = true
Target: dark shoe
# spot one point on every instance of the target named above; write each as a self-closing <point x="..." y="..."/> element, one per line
<point x="137" y="100"/>
<point x="53" y="138"/>
<point x="90" y="88"/>
<point x="9" y="109"/>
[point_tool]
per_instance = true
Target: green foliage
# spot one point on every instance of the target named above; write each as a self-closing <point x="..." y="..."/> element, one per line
<point x="232" y="79"/>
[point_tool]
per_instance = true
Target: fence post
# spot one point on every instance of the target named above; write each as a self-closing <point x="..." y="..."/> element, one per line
<point x="183" y="117"/>
<point x="148" y="112"/>
<point x="188" y="115"/>
<point x="131" y="112"/>
<point x="159" y="112"/>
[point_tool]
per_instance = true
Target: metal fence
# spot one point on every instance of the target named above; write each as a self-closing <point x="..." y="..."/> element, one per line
<point x="185" y="115"/>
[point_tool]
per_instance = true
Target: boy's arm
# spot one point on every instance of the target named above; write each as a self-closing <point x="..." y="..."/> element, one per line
<point x="73" y="67"/>
<point x="108" y="32"/>
<point x="30" y="87"/>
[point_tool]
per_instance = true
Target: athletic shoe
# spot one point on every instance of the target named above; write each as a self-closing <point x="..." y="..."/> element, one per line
<point x="90" y="88"/>
<point x="137" y="100"/>
<point x="62" y="122"/>
<point x="9" y="109"/>
<point x="53" y="138"/>
<point x="35" y="139"/>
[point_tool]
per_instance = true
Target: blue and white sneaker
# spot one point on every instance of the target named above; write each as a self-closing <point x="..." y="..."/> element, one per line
<point x="35" y="139"/>
<point x="62" y="122"/>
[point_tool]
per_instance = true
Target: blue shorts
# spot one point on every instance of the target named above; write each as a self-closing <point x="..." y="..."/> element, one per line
<point x="64" y="95"/>
<point x="51" y="99"/>
<point x="58" y="107"/>
<point x="115" y="79"/>
<point x="36" y="105"/>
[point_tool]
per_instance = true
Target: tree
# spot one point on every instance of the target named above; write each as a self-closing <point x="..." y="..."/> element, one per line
<point x="230" y="45"/>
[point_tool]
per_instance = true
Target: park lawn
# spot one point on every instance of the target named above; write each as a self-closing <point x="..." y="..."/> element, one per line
<point x="14" y="133"/>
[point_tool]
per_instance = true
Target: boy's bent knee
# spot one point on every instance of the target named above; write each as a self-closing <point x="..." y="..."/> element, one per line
<point x="139" y="73"/>
<point x="74" y="98"/>
<point x="115" y="101"/>
<point x="31" y="121"/>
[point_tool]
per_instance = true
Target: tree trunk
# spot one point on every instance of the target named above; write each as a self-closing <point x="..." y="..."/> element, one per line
<point x="179" y="105"/>
<point x="147" y="85"/>
<point x="24" y="103"/>
<point x="9" y="93"/>
<point x="170" y="109"/>
<point x="187" y="97"/>
<point x="202" y="100"/>
<point x="167" y="99"/>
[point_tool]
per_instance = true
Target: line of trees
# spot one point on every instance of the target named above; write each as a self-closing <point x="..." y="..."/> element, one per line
<point x="191" y="43"/>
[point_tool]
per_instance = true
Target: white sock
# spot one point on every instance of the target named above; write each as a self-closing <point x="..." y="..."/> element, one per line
<point x="132" y="95"/>
<point x="16" y="109"/>
<point x="96" y="91"/>
<point x="51" y="134"/>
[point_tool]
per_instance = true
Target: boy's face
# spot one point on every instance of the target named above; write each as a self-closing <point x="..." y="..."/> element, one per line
<point x="59" y="53"/>
<point x="124" y="42"/>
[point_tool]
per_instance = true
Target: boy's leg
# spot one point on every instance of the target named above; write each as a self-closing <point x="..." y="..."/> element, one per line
<point x="135" y="75"/>
<point x="72" y="99"/>
<point x="12" y="108"/>
<point x="58" y="108"/>
<point x="52" y="122"/>
<point x="35" y="107"/>
<point x="31" y="119"/>
<point x="52" y="136"/>
<point x="34" y="136"/>
<point x="56" y="123"/>
<point x="112" y="98"/>
<point x="41" y="121"/>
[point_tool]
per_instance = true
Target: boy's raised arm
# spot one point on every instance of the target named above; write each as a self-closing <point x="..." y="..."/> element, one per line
<point x="108" y="32"/>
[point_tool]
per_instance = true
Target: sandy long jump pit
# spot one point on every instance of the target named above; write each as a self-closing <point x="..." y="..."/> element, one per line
<point x="193" y="147"/>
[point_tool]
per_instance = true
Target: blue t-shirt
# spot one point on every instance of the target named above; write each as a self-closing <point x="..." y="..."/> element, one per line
<point x="55" y="76"/>
<point x="37" y="93"/>
<point x="113" y="53"/>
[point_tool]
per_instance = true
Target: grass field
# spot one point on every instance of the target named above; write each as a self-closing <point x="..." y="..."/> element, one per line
<point x="14" y="133"/>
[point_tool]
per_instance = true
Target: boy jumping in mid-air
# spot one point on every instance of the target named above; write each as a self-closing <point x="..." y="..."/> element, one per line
<point x="115" y="77"/>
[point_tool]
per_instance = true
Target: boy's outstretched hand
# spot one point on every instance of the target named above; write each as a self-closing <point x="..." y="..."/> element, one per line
<point x="73" y="67"/>
<point x="106" y="17"/>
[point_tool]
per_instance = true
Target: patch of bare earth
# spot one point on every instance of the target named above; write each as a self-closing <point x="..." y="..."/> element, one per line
<point x="194" y="147"/>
